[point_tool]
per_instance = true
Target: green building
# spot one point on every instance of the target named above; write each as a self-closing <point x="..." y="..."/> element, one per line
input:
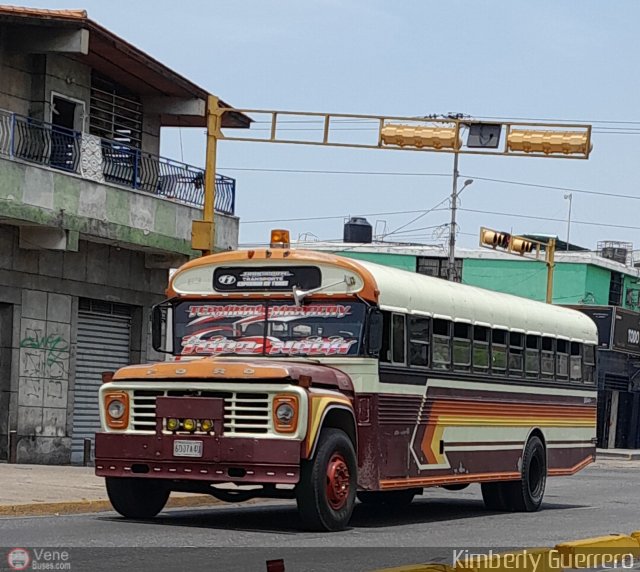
<point x="604" y="283"/>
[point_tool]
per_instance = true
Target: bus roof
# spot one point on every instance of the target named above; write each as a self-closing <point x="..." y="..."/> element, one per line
<point x="393" y="289"/>
<point x="409" y="292"/>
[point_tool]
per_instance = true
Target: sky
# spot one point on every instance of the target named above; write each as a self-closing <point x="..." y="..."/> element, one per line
<point x="548" y="59"/>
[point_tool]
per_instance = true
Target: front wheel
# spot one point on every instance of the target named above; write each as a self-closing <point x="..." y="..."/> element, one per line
<point x="137" y="498"/>
<point x="326" y="492"/>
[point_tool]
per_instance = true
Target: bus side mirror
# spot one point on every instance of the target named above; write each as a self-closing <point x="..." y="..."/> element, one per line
<point x="158" y="317"/>
<point x="375" y="332"/>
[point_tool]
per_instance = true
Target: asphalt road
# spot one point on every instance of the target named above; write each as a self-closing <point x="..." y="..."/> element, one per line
<point x="603" y="498"/>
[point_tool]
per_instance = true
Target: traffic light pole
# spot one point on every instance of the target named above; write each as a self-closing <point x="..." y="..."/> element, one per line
<point x="551" y="263"/>
<point x="451" y="273"/>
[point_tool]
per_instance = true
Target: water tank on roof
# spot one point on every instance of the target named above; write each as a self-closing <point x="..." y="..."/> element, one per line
<point x="358" y="230"/>
<point x="615" y="253"/>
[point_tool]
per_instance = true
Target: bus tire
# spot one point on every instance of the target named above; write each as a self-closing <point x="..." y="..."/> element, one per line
<point x="399" y="498"/>
<point x="493" y="495"/>
<point x="137" y="498"/>
<point x="326" y="493"/>
<point x="526" y="494"/>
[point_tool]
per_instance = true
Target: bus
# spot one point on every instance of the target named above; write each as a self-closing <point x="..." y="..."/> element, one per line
<point x="309" y="376"/>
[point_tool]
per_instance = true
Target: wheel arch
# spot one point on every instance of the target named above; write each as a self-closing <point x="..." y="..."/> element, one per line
<point x="336" y="416"/>
<point x="537" y="432"/>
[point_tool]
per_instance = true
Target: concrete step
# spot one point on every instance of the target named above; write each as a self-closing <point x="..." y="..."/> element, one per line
<point x="622" y="454"/>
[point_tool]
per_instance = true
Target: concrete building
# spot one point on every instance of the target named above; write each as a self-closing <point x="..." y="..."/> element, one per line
<point x="604" y="283"/>
<point x="91" y="218"/>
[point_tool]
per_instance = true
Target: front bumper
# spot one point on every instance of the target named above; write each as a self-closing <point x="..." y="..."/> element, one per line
<point x="224" y="459"/>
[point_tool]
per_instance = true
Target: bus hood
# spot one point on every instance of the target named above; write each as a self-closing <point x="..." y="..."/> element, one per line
<point x="219" y="369"/>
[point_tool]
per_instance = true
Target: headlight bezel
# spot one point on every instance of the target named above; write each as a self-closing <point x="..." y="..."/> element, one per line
<point x="121" y="422"/>
<point x="290" y="424"/>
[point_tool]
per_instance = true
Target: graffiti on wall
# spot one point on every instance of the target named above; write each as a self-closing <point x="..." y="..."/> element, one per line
<point x="632" y="298"/>
<point x="44" y="355"/>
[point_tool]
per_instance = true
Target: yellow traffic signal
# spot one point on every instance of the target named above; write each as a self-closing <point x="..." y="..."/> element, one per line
<point x="420" y="136"/>
<point x="549" y="142"/>
<point x="521" y="246"/>
<point x="494" y="238"/>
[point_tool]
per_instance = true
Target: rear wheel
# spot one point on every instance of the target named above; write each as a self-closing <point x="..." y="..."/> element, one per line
<point x="137" y="498"/>
<point x="526" y="494"/>
<point x="388" y="498"/>
<point x="326" y="492"/>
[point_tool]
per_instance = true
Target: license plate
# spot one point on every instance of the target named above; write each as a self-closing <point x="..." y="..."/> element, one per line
<point x="187" y="448"/>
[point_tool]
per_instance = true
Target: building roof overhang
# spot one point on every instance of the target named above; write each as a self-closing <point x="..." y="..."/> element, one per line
<point x="122" y="62"/>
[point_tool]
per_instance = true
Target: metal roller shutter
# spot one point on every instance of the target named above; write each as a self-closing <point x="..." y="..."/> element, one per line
<point x="103" y="345"/>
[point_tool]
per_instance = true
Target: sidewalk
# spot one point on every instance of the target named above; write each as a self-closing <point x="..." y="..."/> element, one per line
<point x="29" y="490"/>
<point x="621" y="454"/>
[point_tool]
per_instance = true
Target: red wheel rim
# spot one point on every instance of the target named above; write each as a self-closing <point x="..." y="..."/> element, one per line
<point x="338" y="481"/>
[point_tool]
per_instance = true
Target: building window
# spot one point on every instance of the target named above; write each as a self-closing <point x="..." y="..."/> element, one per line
<point x="115" y="113"/>
<point x="615" y="289"/>
<point x="438" y="267"/>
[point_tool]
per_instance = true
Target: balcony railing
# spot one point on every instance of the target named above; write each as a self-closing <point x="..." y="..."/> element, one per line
<point x="112" y="161"/>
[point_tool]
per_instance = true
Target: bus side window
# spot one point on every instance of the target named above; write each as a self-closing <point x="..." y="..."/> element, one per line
<point x="461" y="346"/>
<point x="562" y="359"/>
<point x="398" y="343"/>
<point x="418" y="341"/>
<point x="575" y="362"/>
<point x="499" y="351"/>
<point x="589" y="366"/>
<point x="441" y="357"/>
<point x="532" y="356"/>
<point x="516" y="343"/>
<point x="547" y="361"/>
<point x="481" y="348"/>
<point x="385" y="350"/>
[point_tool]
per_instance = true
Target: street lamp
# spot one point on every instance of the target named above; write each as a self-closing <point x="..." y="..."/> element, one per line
<point x="569" y="197"/>
<point x="451" y="274"/>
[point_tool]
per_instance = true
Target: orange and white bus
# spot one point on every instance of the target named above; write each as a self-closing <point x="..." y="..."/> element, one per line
<point x="306" y="375"/>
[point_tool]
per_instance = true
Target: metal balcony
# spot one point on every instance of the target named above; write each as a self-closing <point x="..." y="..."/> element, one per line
<point x="110" y="161"/>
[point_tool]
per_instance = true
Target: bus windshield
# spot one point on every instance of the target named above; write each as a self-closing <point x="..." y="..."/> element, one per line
<point x="269" y="328"/>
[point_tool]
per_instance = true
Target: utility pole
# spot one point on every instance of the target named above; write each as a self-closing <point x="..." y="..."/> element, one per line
<point x="451" y="273"/>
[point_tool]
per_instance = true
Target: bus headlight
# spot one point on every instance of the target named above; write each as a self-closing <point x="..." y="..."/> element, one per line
<point x="189" y="424"/>
<point x="116" y="409"/>
<point x="116" y="406"/>
<point x="173" y="424"/>
<point x="285" y="413"/>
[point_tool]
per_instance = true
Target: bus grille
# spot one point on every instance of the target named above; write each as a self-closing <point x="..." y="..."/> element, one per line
<point x="244" y="413"/>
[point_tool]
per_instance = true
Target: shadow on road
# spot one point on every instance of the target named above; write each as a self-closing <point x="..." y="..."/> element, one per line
<point x="283" y="518"/>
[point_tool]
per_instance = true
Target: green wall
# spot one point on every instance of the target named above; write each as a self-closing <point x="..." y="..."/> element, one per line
<point x="403" y="261"/>
<point x="572" y="283"/>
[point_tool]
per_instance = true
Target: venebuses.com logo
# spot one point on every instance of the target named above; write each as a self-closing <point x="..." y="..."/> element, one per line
<point x="38" y="559"/>
<point x="18" y="559"/>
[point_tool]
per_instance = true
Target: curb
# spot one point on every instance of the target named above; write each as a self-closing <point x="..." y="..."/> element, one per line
<point x="84" y="506"/>
<point x="618" y="456"/>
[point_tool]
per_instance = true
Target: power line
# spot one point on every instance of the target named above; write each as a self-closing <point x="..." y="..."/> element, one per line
<point x="420" y="174"/>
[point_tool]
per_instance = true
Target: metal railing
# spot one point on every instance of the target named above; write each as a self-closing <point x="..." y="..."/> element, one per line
<point x="60" y="148"/>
